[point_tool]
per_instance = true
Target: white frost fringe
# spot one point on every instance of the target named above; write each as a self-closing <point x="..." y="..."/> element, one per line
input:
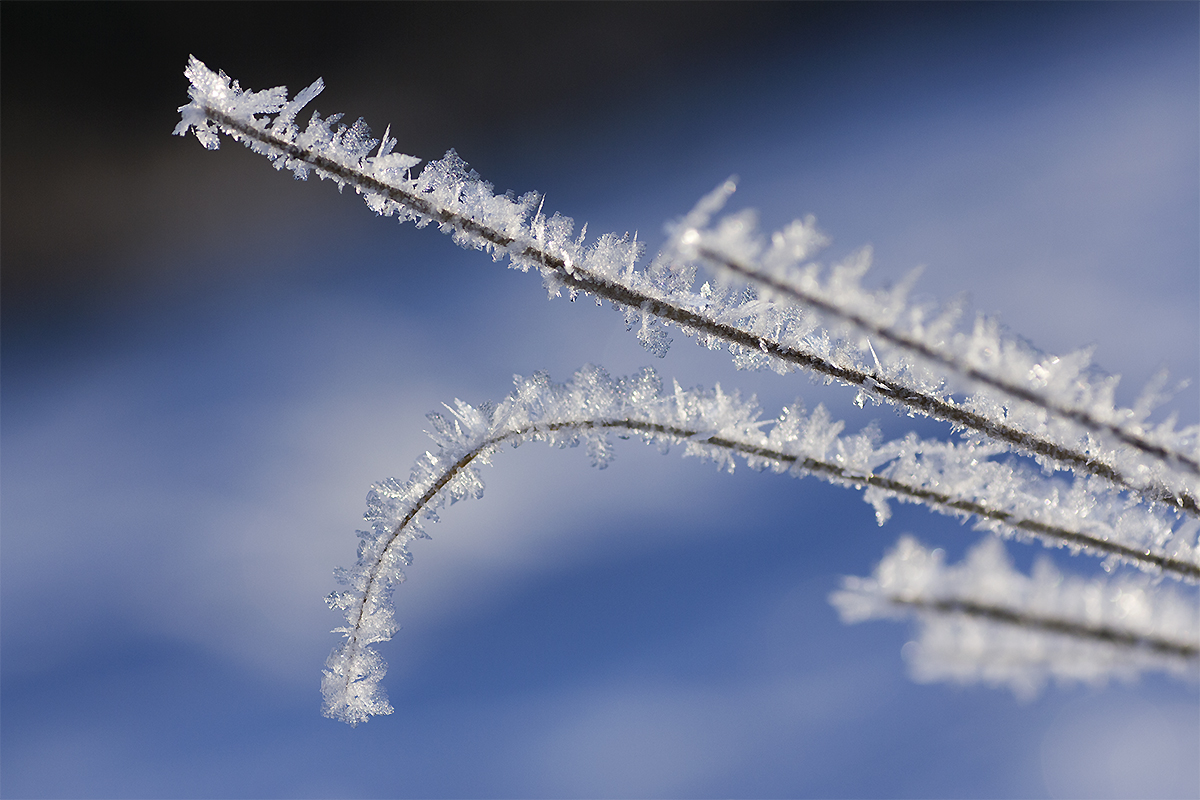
<point x="982" y="621"/>
<point x="1133" y="488"/>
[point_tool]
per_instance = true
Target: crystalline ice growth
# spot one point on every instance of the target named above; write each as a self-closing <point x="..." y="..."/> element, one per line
<point x="982" y="621"/>
<point x="1133" y="482"/>
<point x="1040" y="404"/>
<point x="712" y="424"/>
<point x="1058" y="399"/>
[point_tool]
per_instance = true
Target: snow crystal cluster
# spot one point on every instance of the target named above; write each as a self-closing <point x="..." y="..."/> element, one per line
<point x="983" y="621"/>
<point x="1131" y="496"/>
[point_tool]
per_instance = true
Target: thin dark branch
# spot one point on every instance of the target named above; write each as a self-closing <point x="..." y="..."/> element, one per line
<point x="1008" y="616"/>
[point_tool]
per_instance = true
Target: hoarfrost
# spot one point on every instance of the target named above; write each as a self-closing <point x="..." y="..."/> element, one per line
<point x="1058" y="399"/>
<point x="1131" y="497"/>
<point x="718" y="426"/>
<point x="1051" y="407"/>
<point x="982" y="621"/>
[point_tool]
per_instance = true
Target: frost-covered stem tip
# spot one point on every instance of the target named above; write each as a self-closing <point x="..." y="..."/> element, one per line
<point x="912" y="345"/>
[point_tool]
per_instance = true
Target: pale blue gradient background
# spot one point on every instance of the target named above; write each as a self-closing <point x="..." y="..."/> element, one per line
<point x="186" y="446"/>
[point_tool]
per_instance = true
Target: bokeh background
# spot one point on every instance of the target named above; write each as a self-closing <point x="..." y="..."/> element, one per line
<point x="206" y="364"/>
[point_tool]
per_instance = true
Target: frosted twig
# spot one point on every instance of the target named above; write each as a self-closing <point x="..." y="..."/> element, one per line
<point x="463" y="204"/>
<point x="713" y="425"/>
<point x="1066" y="627"/>
<point x="760" y="277"/>
<point x="981" y="620"/>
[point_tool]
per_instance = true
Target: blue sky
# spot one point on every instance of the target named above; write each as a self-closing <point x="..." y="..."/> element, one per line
<point x="206" y="364"/>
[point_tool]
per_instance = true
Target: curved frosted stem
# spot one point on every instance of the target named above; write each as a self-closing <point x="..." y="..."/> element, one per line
<point x="954" y="479"/>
